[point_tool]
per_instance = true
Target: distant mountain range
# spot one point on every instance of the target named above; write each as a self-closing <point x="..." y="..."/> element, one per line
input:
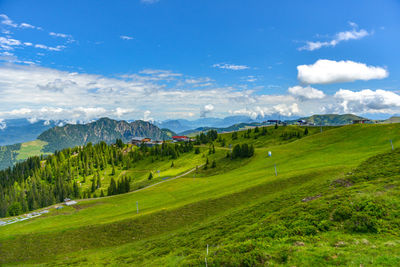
<point x="181" y="125"/>
<point x="22" y="130"/>
<point x="71" y="135"/>
<point x="104" y="129"/>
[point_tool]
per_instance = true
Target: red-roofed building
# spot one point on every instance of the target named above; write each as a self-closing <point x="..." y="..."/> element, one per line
<point x="179" y="138"/>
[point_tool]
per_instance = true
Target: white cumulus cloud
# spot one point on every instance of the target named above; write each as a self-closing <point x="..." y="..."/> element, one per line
<point x="206" y="110"/>
<point x="278" y="109"/>
<point x="304" y="93"/>
<point x="119" y="112"/>
<point x="326" y="71"/>
<point x="379" y="101"/>
<point x="146" y="116"/>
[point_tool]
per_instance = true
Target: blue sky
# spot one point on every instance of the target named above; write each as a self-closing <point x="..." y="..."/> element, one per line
<point x="166" y="59"/>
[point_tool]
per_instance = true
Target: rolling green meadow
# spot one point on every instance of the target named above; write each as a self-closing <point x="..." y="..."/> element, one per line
<point x="334" y="201"/>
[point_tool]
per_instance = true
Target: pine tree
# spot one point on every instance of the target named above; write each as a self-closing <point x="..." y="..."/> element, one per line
<point x="264" y="131"/>
<point x="150" y="176"/>
<point x="112" y="189"/>
<point x="113" y="170"/>
<point x="236" y="152"/>
<point x="306" y="131"/>
<point x="234" y="136"/>
<point x="127" y="185"/>
<point x="101" y="193"/>
<point x="213" y="164"/>
<point x="93" y="187"/>
<point x="172" y="165"/>
<point x="76" y="190"/>
<point x="98" y="181"/>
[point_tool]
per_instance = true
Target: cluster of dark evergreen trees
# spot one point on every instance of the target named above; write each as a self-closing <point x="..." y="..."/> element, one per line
<point x="46" y="180"/>
<point x="209" y="137"/>
<point x="242" y="151"/>
<point x="120" y="187"/>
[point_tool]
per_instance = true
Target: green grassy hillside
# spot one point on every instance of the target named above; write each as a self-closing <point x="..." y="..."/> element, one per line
<point x="11" y="154"/>
<point x="332" y="119"/>
<point x="394" y="119"/>
<point x="335" y="201"/>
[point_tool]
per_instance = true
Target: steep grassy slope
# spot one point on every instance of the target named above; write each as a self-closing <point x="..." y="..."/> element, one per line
<point x="332" y="119"/>
<point x="271" y="137"/>
<point x="30" y="149"/>
<point x="11" y="154"/>
<point x="245" y="213"/>
<point x="394" y="119"/>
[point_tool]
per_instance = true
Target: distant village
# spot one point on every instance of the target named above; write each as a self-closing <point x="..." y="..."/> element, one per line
<point x="306" y="123"/>
<point x="138" y="141"/>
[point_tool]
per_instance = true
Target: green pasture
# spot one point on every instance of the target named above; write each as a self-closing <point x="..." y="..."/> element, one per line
<point x="246" y="213"/>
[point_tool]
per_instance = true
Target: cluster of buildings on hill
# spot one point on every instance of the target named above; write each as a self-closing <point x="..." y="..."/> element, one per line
<point x="305" y="122"/>
<point x="138" y="141"/>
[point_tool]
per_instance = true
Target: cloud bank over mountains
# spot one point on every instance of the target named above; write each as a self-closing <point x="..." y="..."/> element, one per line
<point x="45" y="93"/>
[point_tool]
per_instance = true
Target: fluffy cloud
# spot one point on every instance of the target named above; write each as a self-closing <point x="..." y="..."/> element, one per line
<point x="49" y="94"/>
<point x="279" y="109"/>
<point x="120" y="112"/>
<point x="230" y="66"/>
<point x="354" y="34"/>
<point x="206" y="110"/>
<point x="146" y="116"/>
<point x="368" y="101"/>
<point x="329" y="71"/>
<point x="45" y="93"/>
<point x="57" y="85"/>
<point x="304" y="93"/>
